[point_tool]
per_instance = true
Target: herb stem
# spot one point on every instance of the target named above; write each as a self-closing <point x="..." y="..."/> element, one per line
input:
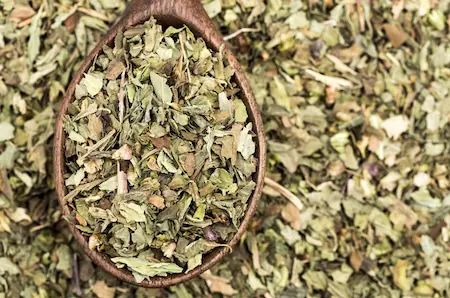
<point x="89" y="12"/>
<point x="121" y="97"/>
<point x="239" y="32"/>
<point x="284" y="192"/>
<point x="97" y="145"/>
<point x="180" y="60"/>
<point x="93" y="13"/>
<point x="76" y="277"/>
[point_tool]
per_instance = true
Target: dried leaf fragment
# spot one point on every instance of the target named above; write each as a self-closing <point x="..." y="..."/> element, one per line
<point x="218" y="284"/>
<point x="115" y="68"/>
<point x="102" y="290"/>
<point x="156" y="201"/>
<point x="397" y="36"/>
<point x="21" y="12"/>
<point x="395" y="126"/>
<point x="291" y="214"/>
<point x="400" y="277"/>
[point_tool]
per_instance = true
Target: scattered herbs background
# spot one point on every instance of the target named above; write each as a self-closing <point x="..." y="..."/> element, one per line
<point x="356" y="104"/>
<point x="159" y="152"/>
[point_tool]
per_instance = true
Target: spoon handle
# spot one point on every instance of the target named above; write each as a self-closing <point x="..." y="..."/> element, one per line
<point x="176" y="13"/>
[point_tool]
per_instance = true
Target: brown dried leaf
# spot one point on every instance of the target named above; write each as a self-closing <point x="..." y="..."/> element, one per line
<point x="5" y="187"/>
<point x="156" y="201"/>
<point x="397" y="36"/>
<point x="291" y="214"/>
<point x="21" y="12"/>
<point x="115" y="68"/>
<point x="356" y="260"/>
<point x="189" y="163"/>
<point x="95" y="127"/>
<point x="71" y="22"/>
<point x="163" y="142"/>
<point x="81" y="220"/>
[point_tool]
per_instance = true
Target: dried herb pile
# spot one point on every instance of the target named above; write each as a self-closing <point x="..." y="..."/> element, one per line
<point x="159" y="151"/>
<point x="355" y="101"/>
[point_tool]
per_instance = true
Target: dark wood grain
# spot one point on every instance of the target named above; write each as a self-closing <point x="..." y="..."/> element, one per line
<point x="175" y="13"/>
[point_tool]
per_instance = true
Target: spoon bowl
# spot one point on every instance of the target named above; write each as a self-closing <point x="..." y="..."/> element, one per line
<point x="168" y="13"/>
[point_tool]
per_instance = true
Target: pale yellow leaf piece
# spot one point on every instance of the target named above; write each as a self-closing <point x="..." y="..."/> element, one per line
<point x="410" y="218"/>
<point x="6" y="131"/>
<point x="389" y="181"/>
<point x="423" y="290"/>
<point x="395" y="126"/>
<point x="93" y="83"/>
<point x="170" y="249"/>
<point x="4" y="223"/>
<point x="421" y="179"/>
<point x="397" y="8"/>
<point x="424" y="7"/>
<point x="400" y="277"/>
<point x="19" y="215"/>
<point x="102" y="290"/>
<point x="94" y="242"/>
<point x="218" y="284"/>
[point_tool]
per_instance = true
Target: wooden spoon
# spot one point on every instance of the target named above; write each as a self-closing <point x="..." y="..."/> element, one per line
<point x="168" y="13"/>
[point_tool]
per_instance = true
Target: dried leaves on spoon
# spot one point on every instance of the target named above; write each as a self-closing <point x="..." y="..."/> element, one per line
<point x="159" y="151"/>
